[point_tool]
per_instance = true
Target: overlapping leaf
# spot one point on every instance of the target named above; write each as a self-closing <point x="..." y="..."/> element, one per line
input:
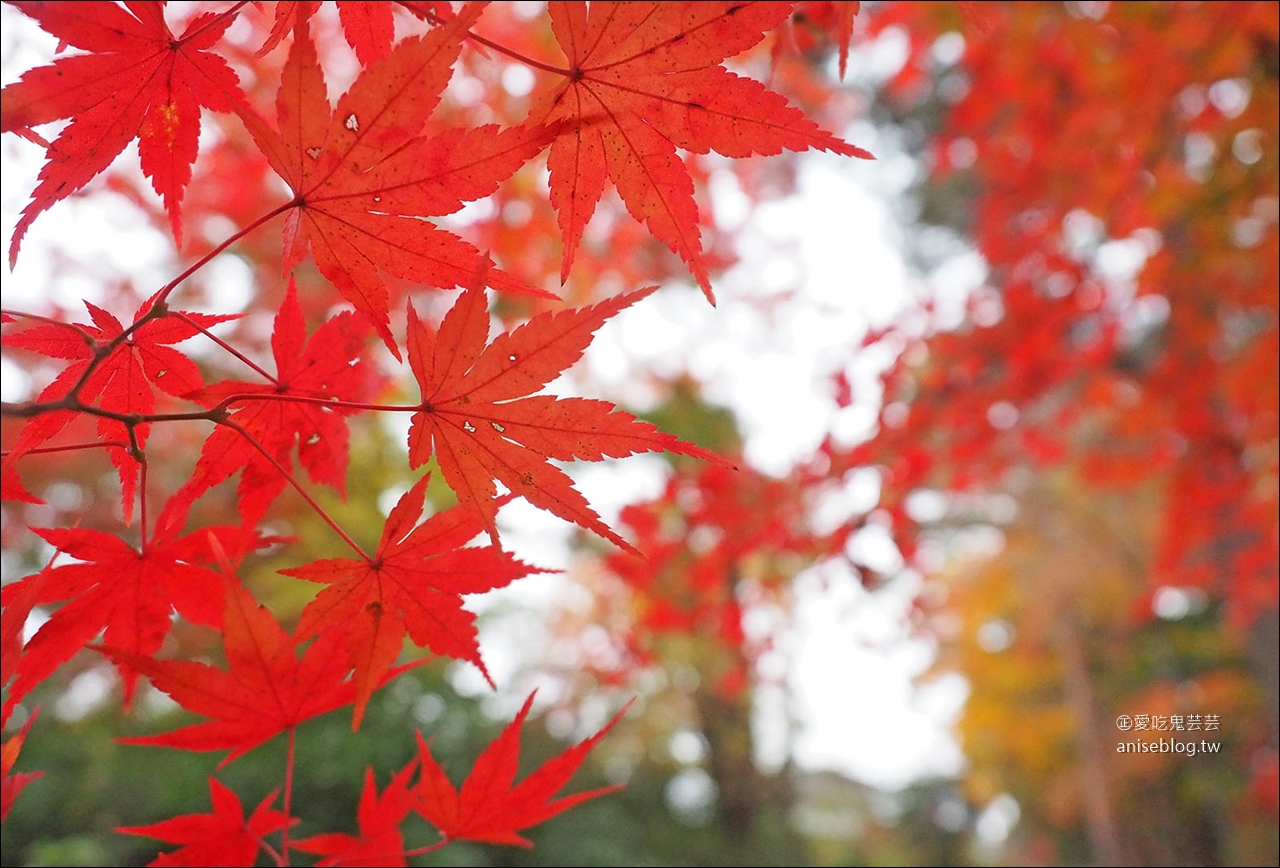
<point x="368" y="26"/>
<point x="645" y="79"/>
<point x="11" y="487"/>
<point x="489" y="808"/>
<point x="139" y="81"/>
<point x="266" y="689"/>
<point x="831" y="17"/>
<point x="115" y="372"/>
<point x="328" y="367"/>
<point x="223" y="837"/>
<point x="129" y="593"/>
<point x="413" y="585"/>
<point x="478" y="419"/>
<point x="364" y="177"/>
<point x="13" y="783"/>
<point x="380" y="842"/>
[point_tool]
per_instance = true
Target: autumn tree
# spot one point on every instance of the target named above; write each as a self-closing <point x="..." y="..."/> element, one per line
<point x="318" y="152"/>
<point x="1106" y="395"/>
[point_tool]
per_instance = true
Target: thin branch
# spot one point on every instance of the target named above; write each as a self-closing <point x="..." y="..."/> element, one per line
<point x="331" y="403"/>
<point x="71" y="447"/>
<point x="73" y="404"/>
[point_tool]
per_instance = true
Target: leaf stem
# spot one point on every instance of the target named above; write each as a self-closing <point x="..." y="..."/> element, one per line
<point x="311" y="501"/>
<point x="288" y="795"/>
<point x="142" y="507"/>
<point x="234" y="237"/>
<point x="51" y="321"/>
<point x="515" y="55"/>
<point x="226" y="346"/>
<point x="213" y="22"/>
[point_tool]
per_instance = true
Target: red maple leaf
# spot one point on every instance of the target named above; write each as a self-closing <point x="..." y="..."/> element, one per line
<point x="18" y="605"/>
<point x="832" y="18"/>
<point x="130" y="593"/>
<point x="11" y="782"/>
<point x="222" y="837"/>
<point x="380" y="841"/>
<point x="364" y="177"/>
<point x="488" y="808"/>
<point x="369" y="27"/>
<point x="265" y="691"/>
<point x="113" y="371"/>
<point x="645" y="79"/>
<point x="328" y="367"/>
<point x="413" y="584"/>
<point x="11" y="487"/>
<point x="474" y="419"/>
<point x="139" y="81"/>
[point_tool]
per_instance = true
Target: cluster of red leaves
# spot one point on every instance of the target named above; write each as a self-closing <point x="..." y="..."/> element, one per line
<point x="1060" y="363"/>
<point x="1073" y="139"/>
<point x="489" y="807"/>
<point x="367" y="177"/>
<point x="719" y="542"/>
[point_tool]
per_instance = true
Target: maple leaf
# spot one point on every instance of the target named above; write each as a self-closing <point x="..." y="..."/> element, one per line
<point x="113" y="371"/>
<point x="645" y="79"/>
<point x="833" y="17"/>
<point x="364" y="178"/>
<point x="130" y="593"/>
<point x="369" y="27"/>
<point x="380" y="841"/>
<point x="11" y="487"/>
<point x="329" y="367"/>
<point x="222" y="837"/>
<point x="413" y="584"/>
<point x="265" y="691"/>
<point x="140" y="81"/>
<point x="474" y="419"/>
<point x="12" y="782"/>
<point x="488" y="808"/>
<point x="18" y="605"/>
